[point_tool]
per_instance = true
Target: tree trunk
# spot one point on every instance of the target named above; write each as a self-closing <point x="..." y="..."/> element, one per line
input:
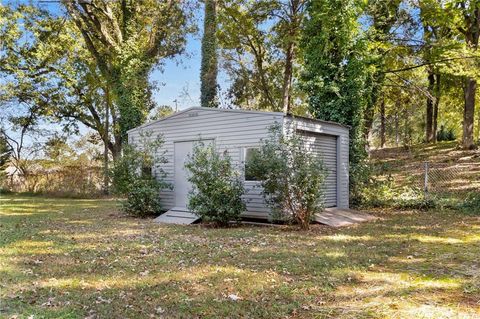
<point x="294" y="10"/>
<point x="209" y="67"/>
<point x="397" y="135"/>
<point x="105" y="141"/>
<point x="436" y="103"/>
<point x="406" y="126"/>
<point x="382" y="123"/>
<point x="429" y="132"/>
<point x="478" y="125"/>
<point x="369" y="117"/>
<point x="469" y="113"/>
<point x="115" y="149"/>
<point x="287" y="79"/>
<point x="471" y="31"/>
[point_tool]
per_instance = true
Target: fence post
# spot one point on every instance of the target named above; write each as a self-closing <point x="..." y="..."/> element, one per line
<point x="425" y="182"/>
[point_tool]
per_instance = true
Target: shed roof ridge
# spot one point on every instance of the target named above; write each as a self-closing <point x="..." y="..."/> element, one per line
<point x="235" y="111"/>
<point x="204" y="109"/>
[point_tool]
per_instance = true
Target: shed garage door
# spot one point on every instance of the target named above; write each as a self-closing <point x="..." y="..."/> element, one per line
<point x="325" y="146"/>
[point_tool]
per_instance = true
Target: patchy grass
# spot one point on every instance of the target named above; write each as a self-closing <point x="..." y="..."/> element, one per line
<point x="81" y="258"/>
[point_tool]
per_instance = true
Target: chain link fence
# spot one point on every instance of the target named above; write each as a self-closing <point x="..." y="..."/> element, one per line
<point x="450" y="180"/>
<point x="441" y="174"/>
<point x="412" y="181"/>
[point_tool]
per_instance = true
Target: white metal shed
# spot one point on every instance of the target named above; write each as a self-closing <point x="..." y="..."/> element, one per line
<point x="237" y="131"/>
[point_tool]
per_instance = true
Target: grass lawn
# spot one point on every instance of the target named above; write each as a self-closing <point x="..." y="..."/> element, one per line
<point x="63" y="258"/>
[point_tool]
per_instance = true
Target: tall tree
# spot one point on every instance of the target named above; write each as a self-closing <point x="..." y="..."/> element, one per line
<point x="247" y="53"/>
<point x="290" y="14"/>
<point x="127" y="39"/>
<point x="209" y="67"/>
<point x="436" y="34"/>
<point x="336" y="74"/>
<point x="383" y="16"/>
<point x="55" y="71"/>
<point x="470" y="28"/>
<point x="259" y="42"/>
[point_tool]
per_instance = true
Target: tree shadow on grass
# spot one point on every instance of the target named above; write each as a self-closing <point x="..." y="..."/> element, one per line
<point x="122" y="267"/>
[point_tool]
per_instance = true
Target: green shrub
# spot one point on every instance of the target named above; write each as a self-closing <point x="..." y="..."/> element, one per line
<point x="413" y="198"/>
<point x="217" y="189"/>
<point x="125" y="170"/>
<point x="446" y="134"/>
<point x="363" y="186"/>
<point x="143" y="198"/>
<point x="292" y="178"/>
<point x="471" y="204"/>
<point x="141" y="159"/>
<point x="383" y="193"/>
<point x="138" y="177"/>
<point x="375" y="193"/>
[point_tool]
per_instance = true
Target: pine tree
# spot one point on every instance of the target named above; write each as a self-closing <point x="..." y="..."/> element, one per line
<point x="209" y="68"/>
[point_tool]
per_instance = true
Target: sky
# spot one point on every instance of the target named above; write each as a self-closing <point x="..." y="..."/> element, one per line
<point x="179" y="83"/>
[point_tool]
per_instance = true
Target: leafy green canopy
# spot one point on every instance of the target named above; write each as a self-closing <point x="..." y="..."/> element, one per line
<point x="258" y="41"/>
<point x="26" y="65"/>
<point x="337" y="74"/>
<point x="127" y="39"/>
<point x="53" y="73"/>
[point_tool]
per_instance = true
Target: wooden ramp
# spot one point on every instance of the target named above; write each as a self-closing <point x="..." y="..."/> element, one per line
<point x="337" y="217"/>
<point x="177" y="216"/>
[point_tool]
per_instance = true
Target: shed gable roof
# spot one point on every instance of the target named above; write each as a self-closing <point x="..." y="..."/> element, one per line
<point x="207" y="109"/>
<point x="203" y="109"/>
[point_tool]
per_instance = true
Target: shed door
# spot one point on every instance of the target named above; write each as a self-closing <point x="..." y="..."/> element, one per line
<point x="182" y="186"/>
<point x="325" y="146"/>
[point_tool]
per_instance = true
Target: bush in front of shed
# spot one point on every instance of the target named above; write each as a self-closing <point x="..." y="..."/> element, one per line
<point x="292" y="177"/>
<point x="217" y="189"/>
<point x="143" y="199"/>
<point x="138" y="177"/>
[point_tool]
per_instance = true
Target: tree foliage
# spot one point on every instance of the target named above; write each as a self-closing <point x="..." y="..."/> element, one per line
<point x="127" y="39"/>
<point x="209" y="68"/>
<point x="337" y="73"/>
<point x="258" y="41"/>
<point x="54" y="73"/>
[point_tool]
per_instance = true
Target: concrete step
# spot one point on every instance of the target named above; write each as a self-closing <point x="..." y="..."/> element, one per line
<point x="337" y="217"/>
<point x="177" y="217"/>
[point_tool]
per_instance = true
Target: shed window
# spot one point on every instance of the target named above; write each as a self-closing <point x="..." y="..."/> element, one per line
<point x="249" y="155"/>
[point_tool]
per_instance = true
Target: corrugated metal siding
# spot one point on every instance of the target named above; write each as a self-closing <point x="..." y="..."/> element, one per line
<point x="231" y="131"/>
<point x="342" y="134"/>
<point x="325" y="147"/>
